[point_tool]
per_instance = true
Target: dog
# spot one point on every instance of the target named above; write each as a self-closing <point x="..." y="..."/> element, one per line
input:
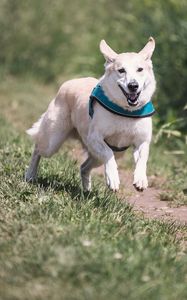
<point x="107" y="115"/>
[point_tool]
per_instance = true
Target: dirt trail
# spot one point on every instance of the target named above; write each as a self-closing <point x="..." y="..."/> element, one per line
<point x="147" y="202"/>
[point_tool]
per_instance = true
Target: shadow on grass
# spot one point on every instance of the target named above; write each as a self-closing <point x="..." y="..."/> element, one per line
<point x="99" y="197"/>
<point x="57" y="184"/>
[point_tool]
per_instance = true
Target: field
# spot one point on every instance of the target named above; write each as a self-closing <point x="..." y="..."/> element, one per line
<point x="58" y="243"/>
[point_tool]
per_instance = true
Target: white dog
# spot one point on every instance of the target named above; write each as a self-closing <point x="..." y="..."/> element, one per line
<point x="107" y="119"/>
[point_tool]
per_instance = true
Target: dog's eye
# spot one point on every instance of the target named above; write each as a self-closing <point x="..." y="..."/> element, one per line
<point x="140" y="70"/>
<point x="122" y="70"/>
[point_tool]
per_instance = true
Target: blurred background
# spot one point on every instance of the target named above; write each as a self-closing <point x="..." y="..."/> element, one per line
<point x="59" y="39"/>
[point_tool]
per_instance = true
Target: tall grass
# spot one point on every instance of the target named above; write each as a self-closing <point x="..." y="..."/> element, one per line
<point x="50" y="39"/>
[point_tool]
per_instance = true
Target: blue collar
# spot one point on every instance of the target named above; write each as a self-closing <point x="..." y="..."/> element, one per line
<point x="98" y="95"/>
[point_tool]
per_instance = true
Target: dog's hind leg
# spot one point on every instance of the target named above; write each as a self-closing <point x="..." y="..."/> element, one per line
<point x="31" y="173"/>
<point x="85" y="170"/>
<point x="49" y="133"/>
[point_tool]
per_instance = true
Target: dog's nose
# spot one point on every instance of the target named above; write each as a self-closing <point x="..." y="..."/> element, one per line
<point x="133" y="86"/>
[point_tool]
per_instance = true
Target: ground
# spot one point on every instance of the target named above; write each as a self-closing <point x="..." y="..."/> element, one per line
<point x="58" y="243"/>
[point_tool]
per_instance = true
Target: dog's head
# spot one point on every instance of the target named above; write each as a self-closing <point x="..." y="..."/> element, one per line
<point x="129" y="78"/>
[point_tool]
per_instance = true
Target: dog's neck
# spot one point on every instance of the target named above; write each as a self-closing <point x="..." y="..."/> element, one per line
<point x="115" y="95"/>
<point x="99" y="96"/>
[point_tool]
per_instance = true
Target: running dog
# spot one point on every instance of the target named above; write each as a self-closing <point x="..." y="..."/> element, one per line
<point x="108" y="116"/>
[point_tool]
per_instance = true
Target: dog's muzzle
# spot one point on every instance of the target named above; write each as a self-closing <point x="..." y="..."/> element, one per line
<point x="132" y="98"/>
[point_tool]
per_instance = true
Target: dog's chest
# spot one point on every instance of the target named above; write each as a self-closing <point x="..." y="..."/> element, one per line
<point x="122" y="132"/>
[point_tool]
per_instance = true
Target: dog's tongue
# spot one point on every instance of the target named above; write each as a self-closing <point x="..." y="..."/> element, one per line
<point x="133" y="96"/>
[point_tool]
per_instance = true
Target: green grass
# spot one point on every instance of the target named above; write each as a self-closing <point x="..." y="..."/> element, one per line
<point x="57" y="243"/>
<point x="169" y="172"/>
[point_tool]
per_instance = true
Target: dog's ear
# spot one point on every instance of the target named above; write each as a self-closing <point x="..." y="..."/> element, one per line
<point x="107" y="52"/>
<point x="147" y="51"/>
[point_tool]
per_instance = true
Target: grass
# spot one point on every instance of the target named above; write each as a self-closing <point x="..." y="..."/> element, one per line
<point x="58" y="243"/>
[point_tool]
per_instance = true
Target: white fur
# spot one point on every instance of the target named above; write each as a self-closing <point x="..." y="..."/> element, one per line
<point x="68" y="113"/>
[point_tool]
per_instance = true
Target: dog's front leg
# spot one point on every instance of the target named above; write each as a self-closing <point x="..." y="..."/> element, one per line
<point x="141" y="154"/>
<point x="100" y="150"/>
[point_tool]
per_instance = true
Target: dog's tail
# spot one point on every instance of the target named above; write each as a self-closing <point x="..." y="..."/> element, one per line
<point x="34" y="130"/>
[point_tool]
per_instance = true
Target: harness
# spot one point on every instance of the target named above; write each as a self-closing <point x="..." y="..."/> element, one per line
<point x="98" y="95"/>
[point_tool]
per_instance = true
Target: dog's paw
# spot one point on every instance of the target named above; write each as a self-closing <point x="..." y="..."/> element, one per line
<point x="112" y="177"/>
<point x="140" y="182"/>
<point x="30" y="176"/>
<point x="86" y="182"/>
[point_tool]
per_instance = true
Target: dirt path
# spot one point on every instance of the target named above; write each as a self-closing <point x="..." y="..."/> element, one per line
<point x="147" y="202"/>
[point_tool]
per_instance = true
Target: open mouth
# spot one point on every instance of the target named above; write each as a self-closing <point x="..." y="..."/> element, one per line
<point x="132" y="98"/>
